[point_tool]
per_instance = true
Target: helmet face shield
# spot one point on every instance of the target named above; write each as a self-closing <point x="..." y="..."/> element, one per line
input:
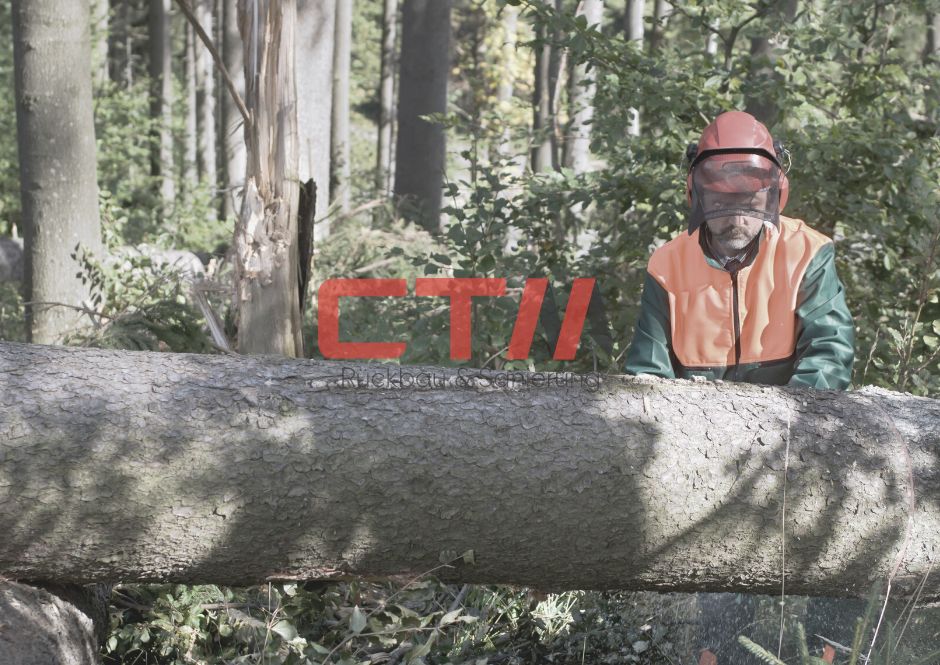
<point x="737" y="184"/>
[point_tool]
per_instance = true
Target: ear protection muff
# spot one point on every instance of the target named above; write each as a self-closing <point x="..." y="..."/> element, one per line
<point x="781" y="152"/>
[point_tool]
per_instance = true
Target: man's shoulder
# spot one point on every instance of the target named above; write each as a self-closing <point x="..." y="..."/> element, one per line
<point x="670" y="251"/>
<point x="796" y="230"/>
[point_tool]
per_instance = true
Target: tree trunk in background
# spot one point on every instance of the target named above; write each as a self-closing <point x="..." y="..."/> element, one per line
<point x="581" y="100"/>
<point x="384" y="165"/>
<point x="233" y="134"/>
<point x="266" y="244"/>
<point x="314" y="62"/>
<point x="634" y="30"/>
<point x="711" y="40"/>
<point x="199" y="469"/>
<point x="339" y="143"/>
<point x="119" y="44"/>
<point x="661" y="14"/>
<point x="190" y="154"/>
<point x="100" y="15"/>
<point x="56" y="140"/>
<point x="932" y="52"/>
<point x="424" y="69"/>
<point x="507" y="82"/>
<point x="761" y="103"/>
<point x="161" y="97"/>
<point x="205" y="99"/>
<point x="543" y="148"/>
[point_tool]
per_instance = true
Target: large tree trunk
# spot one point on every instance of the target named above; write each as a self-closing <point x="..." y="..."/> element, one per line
<point x="384" y="171"/>
<point x="423" y="73"/>
<point x="205" y="99"/>
<point x="266" y="236"/>
<point x="315" y="32"/>
<point x="56" y="140"/>
<point x="339" y="143"/>
<point x="152" y="466"/>
<point x="543" y="146"/>
<point x="233" y="137"/>
<point x="581" y="100"/>
<point x="161" y="97"/>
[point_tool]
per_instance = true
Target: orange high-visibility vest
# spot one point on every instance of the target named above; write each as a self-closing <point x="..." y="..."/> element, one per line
<point x="721" y="319"/>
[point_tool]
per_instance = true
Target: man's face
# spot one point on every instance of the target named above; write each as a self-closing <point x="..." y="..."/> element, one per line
<point x="735" y="232"/>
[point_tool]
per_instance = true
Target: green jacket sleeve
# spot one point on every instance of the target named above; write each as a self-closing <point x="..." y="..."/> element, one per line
<point x="649" y="350"/>
<point x="825" y="345"/>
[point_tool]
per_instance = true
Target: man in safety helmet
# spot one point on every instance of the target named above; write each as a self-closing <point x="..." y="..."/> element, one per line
<point x="746" y="294"/>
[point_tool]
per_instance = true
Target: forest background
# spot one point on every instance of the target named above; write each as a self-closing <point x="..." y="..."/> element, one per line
<point x="562" y="133"/>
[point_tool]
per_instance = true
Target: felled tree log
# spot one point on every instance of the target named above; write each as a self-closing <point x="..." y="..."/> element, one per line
<point x="39" y="628"/>
<point x="219" y="469"/>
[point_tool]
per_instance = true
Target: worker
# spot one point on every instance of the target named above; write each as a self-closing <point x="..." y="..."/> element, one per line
<point x="745" y="294"/>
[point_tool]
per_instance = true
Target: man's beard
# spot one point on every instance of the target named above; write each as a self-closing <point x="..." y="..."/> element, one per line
<point x="733" y="237"/>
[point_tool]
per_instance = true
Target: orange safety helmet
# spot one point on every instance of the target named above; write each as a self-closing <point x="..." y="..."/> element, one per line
<point x="734" y="155"/>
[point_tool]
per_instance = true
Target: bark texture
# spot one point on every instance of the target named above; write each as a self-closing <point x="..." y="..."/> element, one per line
<point x="424" y="70"/>
<point x="56" y="140"/>
<point x="314" y="59"/>
<point x="581" y="99"/>
<point x="266" y="245"/>
<point x="149" y="466"/>
<point x="542" y="153"/>
<point x="39" y="628"/>
<point x="384" y="165"/>
<point x="205" y="98"/>
<point x="233" y="138"/>
<point x="339" y="143"/>
<point x="161" y="97"/>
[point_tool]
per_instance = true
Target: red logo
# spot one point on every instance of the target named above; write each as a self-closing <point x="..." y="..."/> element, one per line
<point x="460" y="290"/>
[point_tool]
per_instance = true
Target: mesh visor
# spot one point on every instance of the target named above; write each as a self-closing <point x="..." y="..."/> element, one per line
<point x="728" y="185"/>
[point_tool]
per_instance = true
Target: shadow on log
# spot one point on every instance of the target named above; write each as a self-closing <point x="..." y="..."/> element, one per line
<point x="141" y="467"/>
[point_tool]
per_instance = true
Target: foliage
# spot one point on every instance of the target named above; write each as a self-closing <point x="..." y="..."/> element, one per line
<point x="136" y="303"/>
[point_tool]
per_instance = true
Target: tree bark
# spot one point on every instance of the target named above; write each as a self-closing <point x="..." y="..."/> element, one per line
<point x="205" y="99"/>
<point x="196" y="469"/>
<point x="761" y="102"/>
<point x="233" y="137"/>
<point x="424" y="70"/>
<point x="543" y="147"/>
<point x="932" y="53"/>
<point x="339" y="143"/>
<point x="39" y="628"/>
<point x="56" y="140"/>
<point x="635" y="31"/>
<point x="581" y="100"/>
<point x="191" y="149"/>
<point x="161" y="97"/>
<point x="661" y="14"/>
<point x="100" y="15"/>
<point x="120" y="51"/>
<point x="266" y="244"/>
<point x="507" y="80"/>
<point x="384" y="165"/>
<point x="314" y="59"/>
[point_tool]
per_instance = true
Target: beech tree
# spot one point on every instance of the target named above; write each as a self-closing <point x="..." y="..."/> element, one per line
<point x="424" y="66"/>
<point x="314" y="76"/>
<point x="161" y="96"/>
<point x="56" y="139"/>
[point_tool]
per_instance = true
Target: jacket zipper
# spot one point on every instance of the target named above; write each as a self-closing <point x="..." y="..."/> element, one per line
<point x="737" y="323"/>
